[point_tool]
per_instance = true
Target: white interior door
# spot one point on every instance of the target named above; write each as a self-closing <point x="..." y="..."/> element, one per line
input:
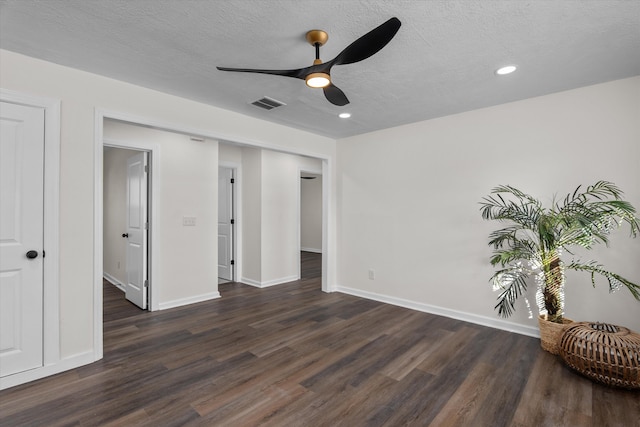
<point x="136" y="235"/>
<point x="225" y="223"/>
<point x="21" y="237"/>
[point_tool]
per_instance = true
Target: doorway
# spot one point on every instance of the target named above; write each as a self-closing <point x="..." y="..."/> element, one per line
<point x="126" y="221"/>
<point x="310" y="213"/>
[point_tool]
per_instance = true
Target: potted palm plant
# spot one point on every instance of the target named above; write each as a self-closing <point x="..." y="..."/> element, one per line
<point x="536" y="238"/>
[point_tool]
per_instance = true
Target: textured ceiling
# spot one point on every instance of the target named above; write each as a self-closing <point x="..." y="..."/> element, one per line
<point x="441" y="62"/>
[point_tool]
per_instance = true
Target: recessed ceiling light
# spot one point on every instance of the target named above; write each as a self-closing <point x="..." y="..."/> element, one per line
<point x="506" y="70"/>
<point x="344" y="115"/>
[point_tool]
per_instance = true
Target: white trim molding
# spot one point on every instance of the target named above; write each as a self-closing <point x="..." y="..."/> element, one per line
<point x="51" y="263"/>
<point x="446" y="312"/>
<point x="329" y="233"/>
<point x="115" y="282"/>
<point x="62" y="365"/>
<point x="250" y="282"/>
<point x="267" y="283"/>
<point x="190" y="300"/>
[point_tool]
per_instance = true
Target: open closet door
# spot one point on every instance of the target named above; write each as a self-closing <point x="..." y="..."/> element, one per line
<point x="136" y="286"/>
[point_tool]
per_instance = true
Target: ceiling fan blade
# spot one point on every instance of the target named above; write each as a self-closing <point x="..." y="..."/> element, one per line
<point x="299" y="73"/>
<point x="369" y="44"/>
<point x="335" y="96"/>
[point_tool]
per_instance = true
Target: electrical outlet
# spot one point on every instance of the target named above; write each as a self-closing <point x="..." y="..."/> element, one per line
<point x="372" y="274"/>
<point x="189" y="221"/>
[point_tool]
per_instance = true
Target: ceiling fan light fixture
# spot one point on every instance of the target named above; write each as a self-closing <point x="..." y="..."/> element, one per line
<point x="318" y="80"/>
<point x="506" y="70"/>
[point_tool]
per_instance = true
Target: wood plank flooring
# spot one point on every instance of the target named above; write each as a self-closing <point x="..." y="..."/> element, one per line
<point x="291" y="355"/>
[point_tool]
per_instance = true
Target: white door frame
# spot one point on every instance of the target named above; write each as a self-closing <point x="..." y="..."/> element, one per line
<point x="153" y="151"/>
<point x="237" y="216"/>
<point x="328" y="227"/>
<point x="51" y="292"/>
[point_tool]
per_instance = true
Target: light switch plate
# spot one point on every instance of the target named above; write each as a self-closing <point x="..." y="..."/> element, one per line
<point x="189" y="221"/>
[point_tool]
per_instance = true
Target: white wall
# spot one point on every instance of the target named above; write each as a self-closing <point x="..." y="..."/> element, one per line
<point x="82" y="94"/>
<point x="311" y="214"/>
<point x="280" y="255"/>
<point x="115" y="218"/>
<point x="230" y="153"/>
<point x="188" y="187"/>
<point x="411" y="212"/>
<point x="251" y="215"/>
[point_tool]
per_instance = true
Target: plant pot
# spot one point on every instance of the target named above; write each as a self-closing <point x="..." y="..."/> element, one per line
<point x="551" y="332"/>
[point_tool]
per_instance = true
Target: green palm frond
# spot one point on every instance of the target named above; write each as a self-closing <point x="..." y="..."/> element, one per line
<point x="588" y="217"/>
<point x="519" y="194"/>
<point x="615" y="280"/>
<point x="518" y="250"/>
<point x="508" y="234"/>
<point x="511" y="283"/>
<point x="524" y="212"/>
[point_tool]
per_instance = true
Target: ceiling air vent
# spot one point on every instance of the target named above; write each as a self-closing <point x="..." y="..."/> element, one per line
<point x="268" y="103"/>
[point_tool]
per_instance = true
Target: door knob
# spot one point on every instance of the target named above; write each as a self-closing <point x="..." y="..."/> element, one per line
<point x="125" y="235"/>
<point x="32" y="254"/>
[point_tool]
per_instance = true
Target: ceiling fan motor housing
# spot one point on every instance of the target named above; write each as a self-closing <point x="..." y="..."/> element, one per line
<point x="317" y="36"/>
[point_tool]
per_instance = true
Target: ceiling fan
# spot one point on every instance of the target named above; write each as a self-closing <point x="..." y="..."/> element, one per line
<point x="318" y="75"/>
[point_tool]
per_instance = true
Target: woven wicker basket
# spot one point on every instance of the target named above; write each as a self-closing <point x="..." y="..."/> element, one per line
<point x="606" y="353"/>
<point x="550" y="333"/>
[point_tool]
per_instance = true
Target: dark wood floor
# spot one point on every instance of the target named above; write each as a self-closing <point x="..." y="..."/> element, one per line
<point x="291" y="355"/>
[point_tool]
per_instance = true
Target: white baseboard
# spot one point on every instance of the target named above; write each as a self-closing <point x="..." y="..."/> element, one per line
<point x="250" y="282"/>
<point x="446" y="312"/>
<point x="268" y="283"/>
<point x="190" y="300"/>
<point x="314" y="250"/>
<point x="62" y="365"/>
<point x="118" y="284"/>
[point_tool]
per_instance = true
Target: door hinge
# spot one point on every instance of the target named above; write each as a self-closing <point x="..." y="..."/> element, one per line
<point x="233" y="181"/>
<point x="233" y="221"/>
<point x="146" y="225"/>
<point x="146" y="168"/>
<point x="233" y="262"/>
<point x="146" y="283"/>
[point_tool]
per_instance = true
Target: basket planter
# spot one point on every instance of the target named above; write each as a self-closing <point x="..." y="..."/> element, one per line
<point x="551" y="332"/>
<point x="605" y="353"/>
